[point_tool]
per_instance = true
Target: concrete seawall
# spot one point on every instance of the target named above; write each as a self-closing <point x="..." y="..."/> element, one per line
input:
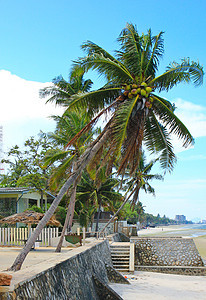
<point x="82" y="276"/>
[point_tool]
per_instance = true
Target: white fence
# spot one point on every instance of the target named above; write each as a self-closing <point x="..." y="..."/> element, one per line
<point x="18" y="236"/>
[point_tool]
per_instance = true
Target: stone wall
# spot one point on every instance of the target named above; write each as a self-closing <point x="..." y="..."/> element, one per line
<point x="189" y="271"/>
<point x="119" y="237"/>
<point x="167" y="252"/>
<point x="83" y="276"/>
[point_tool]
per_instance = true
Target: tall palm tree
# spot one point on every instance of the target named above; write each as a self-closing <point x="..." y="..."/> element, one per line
<point x="137" y="112"/>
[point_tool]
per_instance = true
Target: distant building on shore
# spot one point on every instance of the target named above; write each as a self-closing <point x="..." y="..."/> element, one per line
<point x="180" y="218"/>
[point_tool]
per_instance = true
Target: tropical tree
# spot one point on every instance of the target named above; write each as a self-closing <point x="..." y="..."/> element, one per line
<point x="25" y="165"/>
<point x="141" y="179"/>
<point x="100" y="192"/>
<point x="61" y="91"/>
<point x="137" y="112"/>
<point x="67" y="127"/>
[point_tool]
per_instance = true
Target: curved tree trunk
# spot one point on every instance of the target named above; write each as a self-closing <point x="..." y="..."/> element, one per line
<point x="70" y="212"/>
<point x="123" y="204"/>
<point x="83" y="161"/>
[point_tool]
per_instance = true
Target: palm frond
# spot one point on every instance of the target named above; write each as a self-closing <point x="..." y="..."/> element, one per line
<point x="131" y="48"/>
<point x="53" y="156"/>
<point x="94" y="101"/>
<point x="172" y="122"/>
<point x="121" y="121"/>
<point x="156" y="54"/>
<point x="110" y="69"/>
<point x="185" y="72"/>
<point x="156" y="139"/>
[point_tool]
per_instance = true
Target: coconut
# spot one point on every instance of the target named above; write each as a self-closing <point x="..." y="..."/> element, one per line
<point x="143" y="93"/>
<point x="126" y="93"/>
<point x="148" y="89"/>
<point x="138" y="90"/>
<point x="143" y="84"/>
<point x="134" y="92"/>
<point x="134" y="86"/>
<point x="130" y="96"/>
<point x="127" y="88"/>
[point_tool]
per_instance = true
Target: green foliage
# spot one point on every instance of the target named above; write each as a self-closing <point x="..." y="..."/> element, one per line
<point x="60" y="214"/>
<point x="138" y="115"/>
<point x="25" y="165"/>
<point x="133" y="216"/>
<point x="94" y="193"/>
<point x="35" y="208"/>
<point x="140" y="180"/>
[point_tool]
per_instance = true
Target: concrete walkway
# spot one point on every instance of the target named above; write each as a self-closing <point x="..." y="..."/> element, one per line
<point x="36" y="261"/>
<point x="37" y="256"/>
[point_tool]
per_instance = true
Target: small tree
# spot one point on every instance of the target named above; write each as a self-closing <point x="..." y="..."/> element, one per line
<point x="25" y="165"/>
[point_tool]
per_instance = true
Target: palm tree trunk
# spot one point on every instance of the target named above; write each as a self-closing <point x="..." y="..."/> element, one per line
<point x="70" y="212"/>
<point x="123" y="204"/>
<point x="83" y="161"/>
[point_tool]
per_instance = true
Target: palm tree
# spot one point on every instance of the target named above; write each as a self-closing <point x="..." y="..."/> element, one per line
<point x="67" y="127"/>
<point x="61" y="90"/>
<point x="137" y="112"/>
<point x="141" y="179"/>
<point x="99" y="192"/>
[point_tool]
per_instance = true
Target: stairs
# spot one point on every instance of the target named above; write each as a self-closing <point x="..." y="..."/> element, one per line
<point x="120" y="252"/>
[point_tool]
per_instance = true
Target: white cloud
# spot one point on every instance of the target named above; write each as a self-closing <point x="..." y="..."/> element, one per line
<point x="20" y="99"/>
<point x="22" y="112"/>
<point x="193" y="116"/>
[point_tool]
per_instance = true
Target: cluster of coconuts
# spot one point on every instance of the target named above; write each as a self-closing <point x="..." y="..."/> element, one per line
<point x="143" y="90"/>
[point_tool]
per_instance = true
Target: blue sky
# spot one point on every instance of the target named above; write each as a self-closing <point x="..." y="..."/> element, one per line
<point x="38" y="41"/>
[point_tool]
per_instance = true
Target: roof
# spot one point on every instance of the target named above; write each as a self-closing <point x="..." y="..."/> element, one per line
<point x="15" y="190"/>
<point x="29" y="217"/>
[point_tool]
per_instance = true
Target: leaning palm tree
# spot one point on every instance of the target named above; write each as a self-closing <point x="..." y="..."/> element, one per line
<point x="137" y="112"/>
<point x="141" y="178"/>
<point x="67" y="127"/>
